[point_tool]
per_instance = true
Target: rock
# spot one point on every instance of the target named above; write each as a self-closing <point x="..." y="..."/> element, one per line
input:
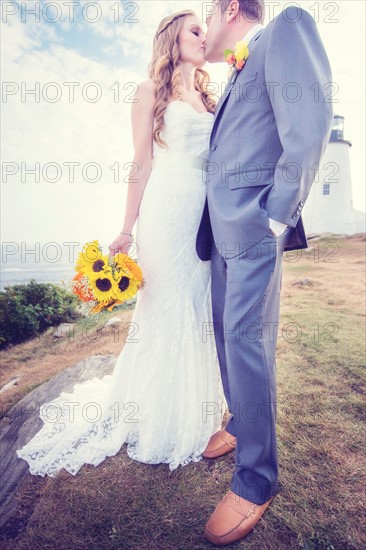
<point x="22" y="422"/>
<point x="305" y="282"/>
<point x="113" y="321"/>
<point x="9" y="385"/>
<point x="63" y="329"/>
<point x="313" y="237"/>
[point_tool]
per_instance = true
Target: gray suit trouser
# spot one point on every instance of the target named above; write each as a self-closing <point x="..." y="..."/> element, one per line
<point x="245" y="302"/>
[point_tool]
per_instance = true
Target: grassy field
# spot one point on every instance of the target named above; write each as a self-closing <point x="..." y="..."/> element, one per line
<point x="122" y="504"/>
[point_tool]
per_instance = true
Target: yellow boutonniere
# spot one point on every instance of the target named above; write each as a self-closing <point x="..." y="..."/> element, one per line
<point x="238" y="57"/>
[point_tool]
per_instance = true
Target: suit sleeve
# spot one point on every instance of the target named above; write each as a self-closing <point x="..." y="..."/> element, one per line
<point x="298" y="71"/>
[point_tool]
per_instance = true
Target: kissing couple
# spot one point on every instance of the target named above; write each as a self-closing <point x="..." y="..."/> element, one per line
<point x="216" y="200"/>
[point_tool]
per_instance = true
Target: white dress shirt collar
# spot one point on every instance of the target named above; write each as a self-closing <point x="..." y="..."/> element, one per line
<point x="253" y="31"/>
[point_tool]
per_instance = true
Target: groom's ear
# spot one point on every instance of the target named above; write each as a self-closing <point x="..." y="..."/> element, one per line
<point x="232" y="12"/>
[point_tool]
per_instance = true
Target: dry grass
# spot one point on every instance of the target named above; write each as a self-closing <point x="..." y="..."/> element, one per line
<point x="122" y="504"/>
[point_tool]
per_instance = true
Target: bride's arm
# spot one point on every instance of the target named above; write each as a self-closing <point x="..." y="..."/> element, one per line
<point x="142" y="118"/>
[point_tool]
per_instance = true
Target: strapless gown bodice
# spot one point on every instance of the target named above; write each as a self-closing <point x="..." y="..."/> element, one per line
<point x="186" y="130"/>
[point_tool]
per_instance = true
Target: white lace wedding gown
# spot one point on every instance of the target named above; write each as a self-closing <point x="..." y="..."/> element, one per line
<point x="164" y="397"/>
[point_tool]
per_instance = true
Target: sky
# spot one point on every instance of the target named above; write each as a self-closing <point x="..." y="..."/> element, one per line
<point x="68" y="72"/>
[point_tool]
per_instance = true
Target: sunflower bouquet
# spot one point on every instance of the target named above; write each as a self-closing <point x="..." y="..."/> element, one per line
<point x="104" y="282"/>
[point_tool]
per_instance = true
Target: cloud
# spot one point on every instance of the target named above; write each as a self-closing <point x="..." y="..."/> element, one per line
<point x="53" y="129"/>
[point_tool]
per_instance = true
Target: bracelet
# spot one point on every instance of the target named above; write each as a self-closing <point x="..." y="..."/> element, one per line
<point x="125" y="233"/>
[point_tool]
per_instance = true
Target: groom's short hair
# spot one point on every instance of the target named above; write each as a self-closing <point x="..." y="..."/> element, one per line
<point x="252" y="10"/>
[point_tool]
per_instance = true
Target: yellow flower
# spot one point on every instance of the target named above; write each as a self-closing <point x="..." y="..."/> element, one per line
<point x="90" y="253"/>
<point x="238" y="58"/>
<point x="126" y="287"/>
<point x="129" y="266"/>
<point x="97" y="268"/>
<point x="99" y="307"/>
<point x="103" y="287"/>
<point x="241" y="51"/>
<point x="113" y="304"/>
<point x="109" y="306"/>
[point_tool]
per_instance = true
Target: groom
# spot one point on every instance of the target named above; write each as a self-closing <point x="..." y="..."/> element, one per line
<point x="271" y="127"/>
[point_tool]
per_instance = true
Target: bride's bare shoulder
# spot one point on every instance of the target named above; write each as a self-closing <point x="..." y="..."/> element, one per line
<point x="146" y="90"/>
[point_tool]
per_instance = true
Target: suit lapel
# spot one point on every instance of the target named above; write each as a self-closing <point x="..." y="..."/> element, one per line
<point x="232" y="80"/>
<point x="227" y="91"/>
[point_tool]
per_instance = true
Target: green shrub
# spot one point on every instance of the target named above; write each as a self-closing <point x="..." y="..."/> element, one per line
<point x="29" y="309"/>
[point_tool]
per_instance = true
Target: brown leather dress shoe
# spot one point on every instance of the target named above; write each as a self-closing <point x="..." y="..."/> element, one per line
<point x="233" y="519"/>
<point x="220" y="443"/>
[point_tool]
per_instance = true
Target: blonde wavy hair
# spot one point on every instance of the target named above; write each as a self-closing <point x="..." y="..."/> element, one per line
<point x="164" y="70"/>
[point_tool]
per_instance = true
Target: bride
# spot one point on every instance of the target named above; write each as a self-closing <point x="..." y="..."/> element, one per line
<point x="164" y="398"/>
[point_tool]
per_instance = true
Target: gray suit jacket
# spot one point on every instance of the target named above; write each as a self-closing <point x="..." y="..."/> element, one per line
<point x="271" y="127"/>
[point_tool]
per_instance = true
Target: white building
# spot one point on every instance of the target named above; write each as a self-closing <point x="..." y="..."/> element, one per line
<point x="329" y="206"/>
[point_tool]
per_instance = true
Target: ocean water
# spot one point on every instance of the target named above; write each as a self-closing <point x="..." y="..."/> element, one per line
<point x="14" y="271"/>
<point x="45" y="262"/>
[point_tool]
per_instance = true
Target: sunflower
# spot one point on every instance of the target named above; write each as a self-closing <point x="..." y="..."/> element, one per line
<point x="91" y="254"/>
<point x="125" y="262"/>
<point x="98" y="268"/>
<point x="103" y="287"/>
<point x="122" y="260"/>
<point x="126" y="287"/>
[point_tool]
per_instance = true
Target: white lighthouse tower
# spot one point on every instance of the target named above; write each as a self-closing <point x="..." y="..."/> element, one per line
<point x="329" y="206"/>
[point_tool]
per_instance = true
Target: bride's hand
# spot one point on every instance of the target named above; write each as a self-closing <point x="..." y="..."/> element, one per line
<point x="121" y="243"/>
